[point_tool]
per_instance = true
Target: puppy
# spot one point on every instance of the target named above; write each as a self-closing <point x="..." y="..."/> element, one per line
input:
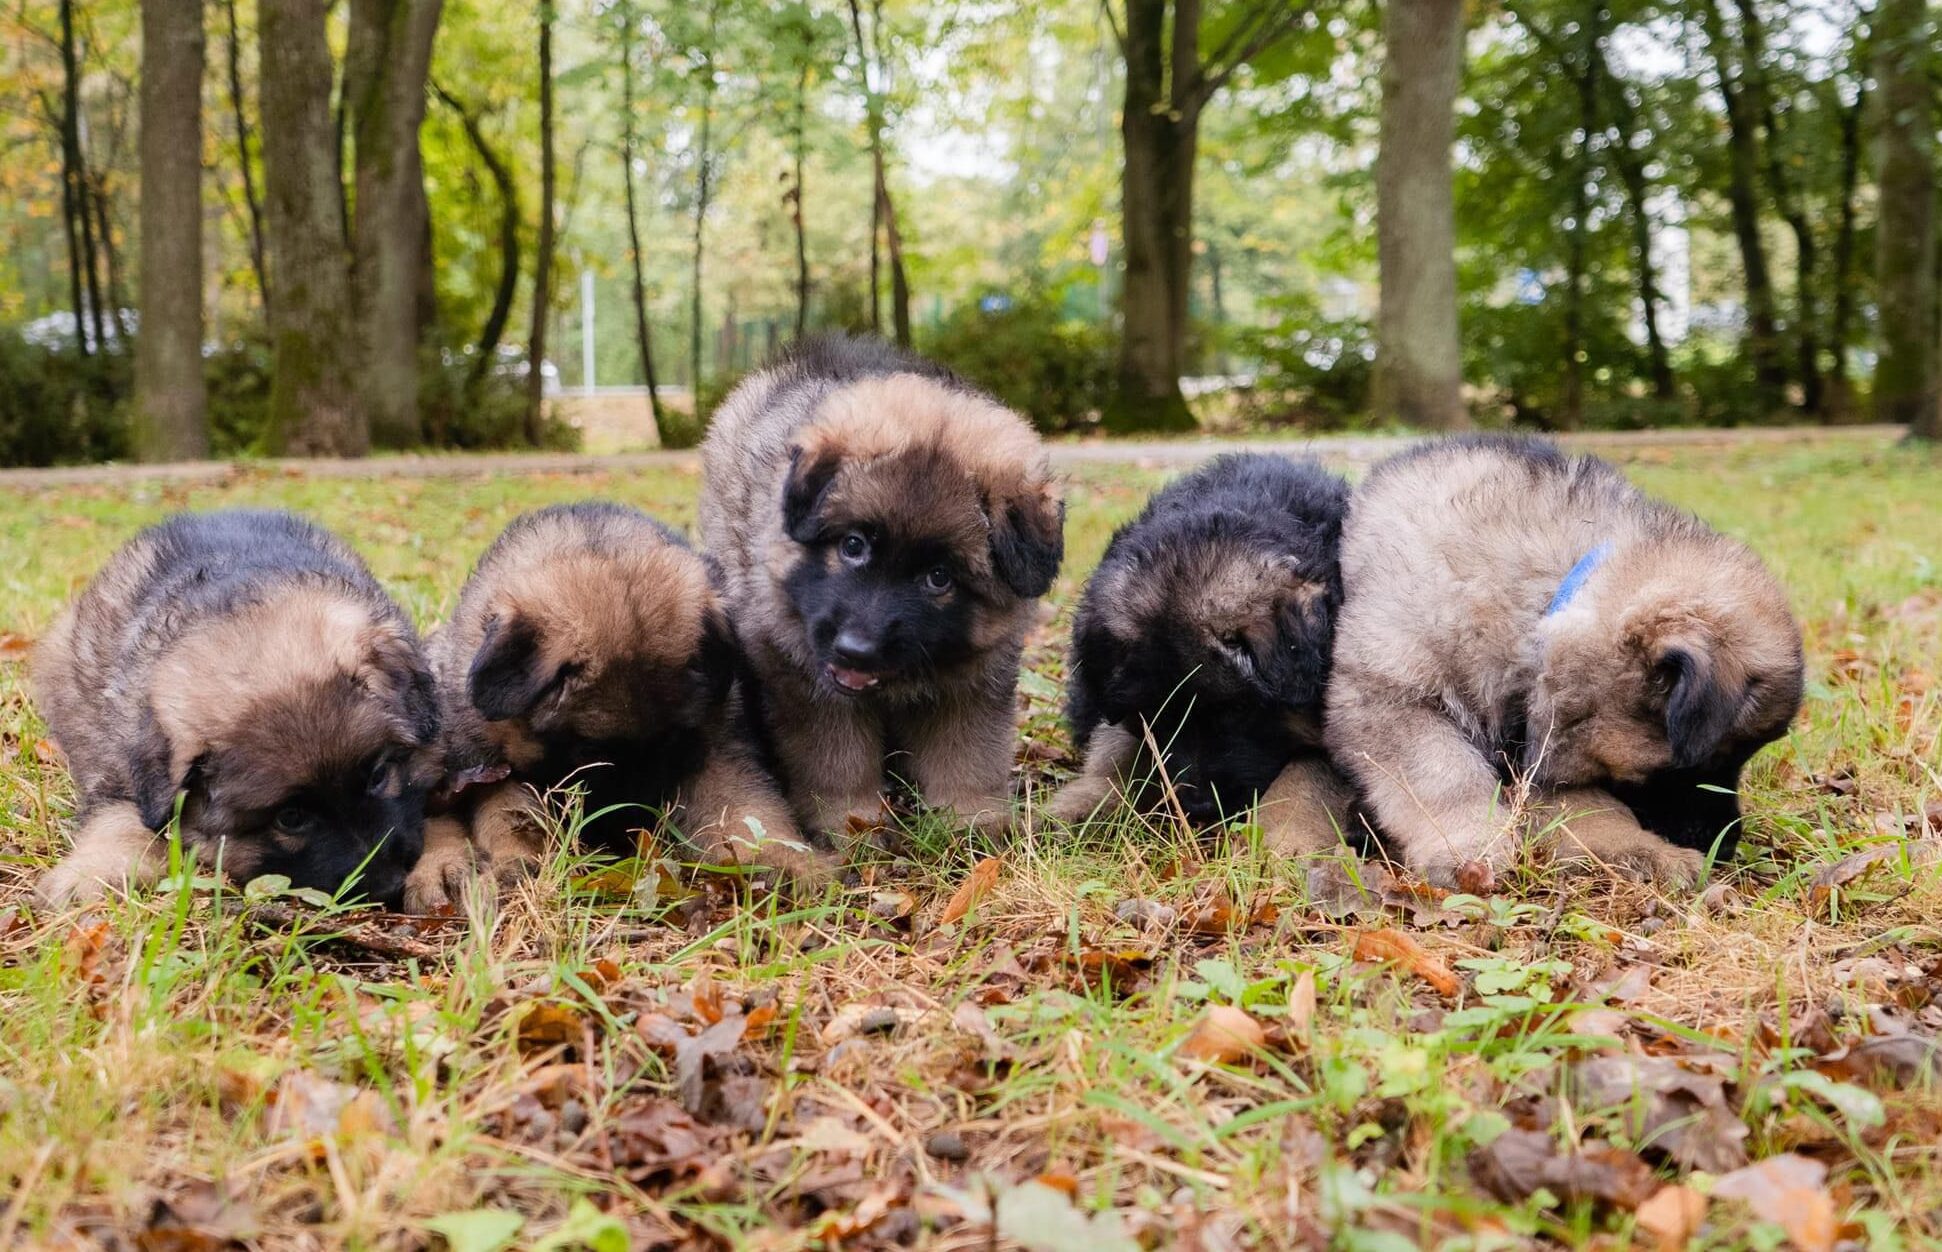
<point x="1208" y="626"/>
<point x="884" y="530"/>
<point x="1515" y="614"/>
<point x="245" y="670"/>
<point x="589" y="650"/>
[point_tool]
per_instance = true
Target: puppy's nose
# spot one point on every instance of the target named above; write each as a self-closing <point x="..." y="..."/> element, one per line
<point x="856" y="650"/>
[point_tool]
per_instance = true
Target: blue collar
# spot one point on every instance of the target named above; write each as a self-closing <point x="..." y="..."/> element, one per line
<point x="1575" y="580"/>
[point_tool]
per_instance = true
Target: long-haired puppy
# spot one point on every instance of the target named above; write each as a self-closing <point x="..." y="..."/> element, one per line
<point x="884" y="531"/>
<point x="589" y="650"/>
<point x="243" y="671"/>
<point x="1205" y="633"/>
<point x="1516" y="615"/>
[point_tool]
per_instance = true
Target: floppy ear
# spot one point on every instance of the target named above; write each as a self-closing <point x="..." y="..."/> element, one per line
<point x="1306" y="633"/>
<point x="811" y="470"/>
<point x="716" y="654"/>
<point x="155" y="782"/>
<point x="1096" y="693"/>
<point x="1699" y="710"/>
<point x="1028" y="538"/>
<point x="504" y="682"/>
<point x="395" y="665"/>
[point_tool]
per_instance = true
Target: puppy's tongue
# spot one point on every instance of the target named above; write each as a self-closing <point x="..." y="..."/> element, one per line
<point x="852" y="679"/>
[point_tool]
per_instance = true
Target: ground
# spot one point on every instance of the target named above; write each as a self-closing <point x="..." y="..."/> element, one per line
<point x="1085" y="1041"/>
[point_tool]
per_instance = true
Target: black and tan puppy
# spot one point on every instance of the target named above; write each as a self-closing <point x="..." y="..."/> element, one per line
<point x="884" y="532"/>
<point x="1515" y="614"/>
<point x="244" y="669"/>
<point x="1208" y="627"/>
<point x="589" y="650"/>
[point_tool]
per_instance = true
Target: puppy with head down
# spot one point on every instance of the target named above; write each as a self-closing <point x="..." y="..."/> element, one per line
<point x="1512" y="614"/>
<point x="1205" y="633"/>
<point x="589" y="651"/>
<point x="244" y="671"/>
<point x="884" y="531"/>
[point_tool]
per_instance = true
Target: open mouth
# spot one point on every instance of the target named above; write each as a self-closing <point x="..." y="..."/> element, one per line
<point x="851" y="679"/>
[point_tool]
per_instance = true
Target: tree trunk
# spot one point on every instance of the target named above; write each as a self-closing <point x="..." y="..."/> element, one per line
<point x="251" y="199"/>
<point x="1905" y="231"/>
<point x="1787" y="197"/>
<point x="1840" y="399"/>
<point x="1160" y="131"/>
<point x="110" y="258"/>
<point x="796" y="206"/>
<point x="543" y="266"/>
<point x="642" y="338"/>
<point x="892" y="236"/>
<point x="1631" y="171"/>
<point x="1419" y="366"/>
<point x="879" y="199"/>
<point x="704" y="162"/>
<point x="388" y="57"/>
<point x="495" y="324"/>
<point x="171" y="404"/>
<point x="1571" y="413"/>
<point x="74" y="196"/>
<point x="314" y="406"/>
<point x="1763" y="335"/>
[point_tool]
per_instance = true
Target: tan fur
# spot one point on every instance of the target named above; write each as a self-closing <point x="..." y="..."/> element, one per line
<point x="1587" y="829"/>
<point x="1308" y="809"/>
<point x="112" y="851"/>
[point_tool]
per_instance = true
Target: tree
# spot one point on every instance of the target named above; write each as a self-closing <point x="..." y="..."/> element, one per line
<point x="252" y="201"/>
<point x="314" y="405"/>
<point x="543" y="266"/>
<point x="643" y="340"/>
<point x="1418" y="362"/>
<point x="386" y="63"/>
<point x="75" y="207"/>
<point x="171" y="418"/>
<point x="486" y="348"/>
<point x="1168" y="86"/>
<point x="1905" y="390"/>
<point x="883" y="210"/>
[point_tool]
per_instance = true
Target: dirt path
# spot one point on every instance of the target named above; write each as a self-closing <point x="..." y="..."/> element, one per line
<point x="1341" y="450"/>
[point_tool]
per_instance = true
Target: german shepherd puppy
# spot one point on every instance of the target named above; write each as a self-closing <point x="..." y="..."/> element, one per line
<point x="884" y="530"/>
<point x="1207" y="626"/>
<point x="245" y="670"/>
<point x="1513" y="614"/>
<point x="589" y="650"/>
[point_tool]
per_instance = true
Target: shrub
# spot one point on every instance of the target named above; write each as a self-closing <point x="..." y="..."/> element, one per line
<point x="58" y="407"/>
<point x="1056" y="371"/>
<point x="1313" y="371"/>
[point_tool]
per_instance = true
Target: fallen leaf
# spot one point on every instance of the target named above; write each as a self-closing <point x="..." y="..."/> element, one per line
<point x="691" y="1057"/>
<point x="973" y="1020"/>
<point x="477" y="1230"/>
<point x="1300" y="1021"/>
<point x="1844" y="871"/>
<point x="1145" y="914"/>
<point x="656" y="1137"/>
<point x="1395" y="947"/>
<point x="1123" y="969"/>
<point x="976" y="885"/>
<point x="867" y="1019"/>
<point x="1626" y="986"/>
<point x="1885" y="1060"/>
<point x="1224" y="1035"/>
<point x="832" y="1134"/>
<point x="547" y="1024"/>
<point x="1044" y="1219"/>
<point x="1518" y="1163"/>
<point x="1664" y="1108"/>
<point x="893" y="904"/>
<point x="1789" y="1191"/>
<point x="14" y="647"/>
<point x="197" y="1217"/>
<point x="310" y="1107"/>
<point x="1061" y="1181"/>
<point x="1672" y="1216"/>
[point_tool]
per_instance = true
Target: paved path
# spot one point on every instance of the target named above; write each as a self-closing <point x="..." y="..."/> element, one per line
<point x="1343" y="450"/>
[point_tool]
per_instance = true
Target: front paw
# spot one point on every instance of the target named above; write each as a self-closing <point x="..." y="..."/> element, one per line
<point x="437" y="883"/>
<point x="1640" y="857"/>
<point x="69" y="883"/>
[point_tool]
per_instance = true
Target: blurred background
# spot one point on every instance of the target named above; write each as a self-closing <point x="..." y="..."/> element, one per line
<point x="291" y="226"/>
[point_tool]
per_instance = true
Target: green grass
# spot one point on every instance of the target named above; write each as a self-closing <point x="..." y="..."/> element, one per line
<point x="171" y="1067"/>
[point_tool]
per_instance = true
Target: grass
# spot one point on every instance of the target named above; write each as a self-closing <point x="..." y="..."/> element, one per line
<point x="621" y="1056"/>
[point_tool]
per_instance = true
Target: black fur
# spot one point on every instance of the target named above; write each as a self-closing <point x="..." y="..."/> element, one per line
<point x="1024" y="555"/>
<point x="1223" y="718"/>
<point x="1695" y="808"/>
<point x="876" y="615"/>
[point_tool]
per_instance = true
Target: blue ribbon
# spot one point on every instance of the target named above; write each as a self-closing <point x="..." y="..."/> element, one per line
<point x="1575" y="579"/>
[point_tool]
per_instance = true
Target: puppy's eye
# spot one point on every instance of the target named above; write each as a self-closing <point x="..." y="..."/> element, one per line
<point x="938" y="581"/>
<point x="294" y="820"/>
<point x="854" y="547"/>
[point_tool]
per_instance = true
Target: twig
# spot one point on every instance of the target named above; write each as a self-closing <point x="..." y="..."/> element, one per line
<point x="365" y="935"/>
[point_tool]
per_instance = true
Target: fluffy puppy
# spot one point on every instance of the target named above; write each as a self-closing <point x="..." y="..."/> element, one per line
<point x="244" y="669"/>
<point x="1208" y="626"/>
<point x="589" y="650"/>
<point x="883" y="530"/>
<point x="1513" y="613"/>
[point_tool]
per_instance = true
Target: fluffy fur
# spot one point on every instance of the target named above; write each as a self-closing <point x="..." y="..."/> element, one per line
<point x="590" y="650"/>
<point x="884" y="531"/>
<point x="1674" y="662"/>
<point x="246" y="667"/>
<point x="1209" y="624"/>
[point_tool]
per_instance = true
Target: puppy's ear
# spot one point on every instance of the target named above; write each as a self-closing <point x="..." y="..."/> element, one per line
<point x="1098" y="691"/>
<point x="157" y="777"/>
<point x="1028" y="537"/>
<point x="1305" y="626"/>
<point x="394" y="666"/>
<point x="715" y="655"/>
<point x="505" y="681"/>
<point x="812" y="467"/>
<point x="1699" y="709"/>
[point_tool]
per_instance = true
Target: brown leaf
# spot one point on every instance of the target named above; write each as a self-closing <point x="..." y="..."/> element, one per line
<point x="707" y="998"/>
<point x="1884" y="1060"/>
<point x="1664" y="1108"/>
<point x="1060" y="1180"/>
<point x="546" y="1024"/>
<point x="1789" y="1191"/>
<point x="197" y="1217"/>
<point x="1672" y="1217"/>
<point x="1124" y="969"/>
<point x="1223" y="1036"/>
<point x="691" y="1057"/>
<point x="1300" y="1022"/>
<point x="14" y="647"/>
<point x="1518" y="1163"/>
<point x="1848" y="868"/>
<point x="1626" y="986"/>
<point x="973" y="1020"/>
<point x="1397" y="947"/>
<point x="657" y="1137"/>
<point x="310" y="1107"/>
<point x="976" y="885"/>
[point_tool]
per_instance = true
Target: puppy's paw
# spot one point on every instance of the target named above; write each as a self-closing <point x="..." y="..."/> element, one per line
<point x="1641" y="857"/>
<point x="69" y="883"/>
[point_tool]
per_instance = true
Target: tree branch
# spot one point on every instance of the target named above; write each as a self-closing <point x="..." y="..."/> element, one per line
<point x="1270" y="23"/>
<point x="1112" y="24"/>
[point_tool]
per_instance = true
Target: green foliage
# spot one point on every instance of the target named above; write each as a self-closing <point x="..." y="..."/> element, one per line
<point x="1314" y="371"/>
<point x="58" y="407"/>
<point x="1055" y="370"/>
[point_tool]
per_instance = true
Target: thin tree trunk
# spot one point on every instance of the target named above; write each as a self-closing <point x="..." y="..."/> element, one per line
<point x="1631" y="172"/>
<point x="251" y="198"/>
<point x="314" y="406"/>
<point x="1787" y="197"/>
<point x="893" y="238"/>
<point x="543" y="266"/>
<point x="1763" y="335"/>
<point x="797" y="208"/>
<point x="704" y="161"/>
<point x="494" y="330"/>
<point x="875" y="138"/>
<point x="1572" y="409"/>
<point x="111" y="260"/>
<point x="1418" y="361"/>
<point x="74" y="194"/>
<point x="1905" y="374"/>
<point x="385" y="67"/>
<point x="171" y="403"/>
<point x="642" y="338"/>
<point x="1840" y="399"/>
